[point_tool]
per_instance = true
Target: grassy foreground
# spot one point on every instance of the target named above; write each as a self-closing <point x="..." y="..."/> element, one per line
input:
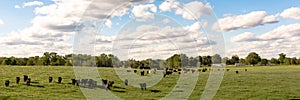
<point x="277" y="82"/>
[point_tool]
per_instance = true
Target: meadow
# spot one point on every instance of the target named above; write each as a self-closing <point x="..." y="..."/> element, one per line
<point x="268" y="82"/>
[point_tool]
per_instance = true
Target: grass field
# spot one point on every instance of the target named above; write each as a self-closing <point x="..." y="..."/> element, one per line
<point x="276" y="82"/>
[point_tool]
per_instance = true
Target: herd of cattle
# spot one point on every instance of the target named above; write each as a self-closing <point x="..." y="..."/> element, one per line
<point x="90" y="83"/>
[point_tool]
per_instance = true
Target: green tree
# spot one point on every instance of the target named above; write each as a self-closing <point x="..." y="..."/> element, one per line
<point x="216" y="59"/>
<point x="274" y="61"/>
<point x="281" y="58"/>
<point x="264" y="62"/>
<point x="253" y="58"/>
<point x="234" y="59"/>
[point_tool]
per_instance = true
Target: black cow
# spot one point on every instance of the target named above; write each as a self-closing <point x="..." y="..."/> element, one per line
<point x="126" y="82"/>
<point x="143" y="86"/>
<point x="17" y="80"/>
<point x="104" y="82"/>
<point x="50" y="79"/>
<point x="6" y="83"/>
<point x="25" y="78"/>
<point x="236" y="72"/>
<point x="59" y="79"/>
<point x="142" y="73"/>
<point x="28" y="81"/>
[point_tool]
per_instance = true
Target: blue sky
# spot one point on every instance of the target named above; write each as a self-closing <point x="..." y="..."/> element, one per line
<point x="268" y="27"/>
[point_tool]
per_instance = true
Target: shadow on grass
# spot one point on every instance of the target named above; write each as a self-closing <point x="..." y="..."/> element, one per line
<point x="39" y="86"/>
<point x="155" y="91"/>
<point x="118" y="87"/>
<point x="120" y="91"/>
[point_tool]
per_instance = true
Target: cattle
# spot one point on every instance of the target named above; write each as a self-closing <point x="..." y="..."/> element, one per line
<point x="169" y="72"/>
<point x="143" y="86"/>
<point x="91" y="83"/>
<point x="204" y="69"/>
<point x="104" y="82"/>
<point x="236" y="72"/>
<point x="74" y="82"/>
<point x="28" y="81"/>
<point x="228" y="69"/>
<point x="193" y="70"/>
<point x="59" y="79"/>
<point x="50" y="79"/>
<point x="246" y="70"/>
<point x="17" y="80"/>
<point x="135" y="71"/>
<point x="84" y="82"/>
<point x="126" y="82"/>
<point x="25" y="78"/>
<point x="199" y="70"/>
<point x="110" y="84"/>
<point x="78" y="82"/>
<point x="128" y="70"/>
<point x="6" y="83"/>
<point x="142" y="73"/>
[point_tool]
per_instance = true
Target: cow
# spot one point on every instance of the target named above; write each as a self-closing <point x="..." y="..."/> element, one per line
<point x="28" y="81"/>
<point x="110" y="84"/>
<point x="236" y="72"/>
<point x="17" y="80"/>
<point x="246" y="70"/>
<point x="84" y="81"/>
<point x="25" y="78"/>
<point x="126" y="82"/>
<point x="142" y="73"/>
<point x="59" y="79"/>
<point x="104" y="82"/>
<point x="74" y="82"/>
<point x="143" y="86"/>
<point x="50" y="79"/>
<point x="6" y="83"/>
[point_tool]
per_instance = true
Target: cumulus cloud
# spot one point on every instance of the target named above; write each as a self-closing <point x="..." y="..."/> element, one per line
<point x="1" y="22"/>
<point x="249" y="20"/>
<point x="108" y="23"/>
<point x="144" y="11"/>
<point x="33" y="3"/>
<point x="17" y="6"/>
<point x="284" y="39"/>
<point x="291" y="13"/>
<point x="192" y="10"/>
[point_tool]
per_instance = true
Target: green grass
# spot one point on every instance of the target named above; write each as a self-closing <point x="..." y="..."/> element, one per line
<point x="276" y="82"/>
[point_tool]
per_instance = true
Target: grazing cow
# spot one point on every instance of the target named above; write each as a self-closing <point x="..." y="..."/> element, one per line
<point x="73" y="82"/>
<point x="236" y="72"/>
<point x="246" y="70"/>
<point x="179" y="72"/>
<point x="142" y="73"/>
<point x="110" y="84"/>
<point x="50" y="79"/>
<point x="7" y="83"/>
<point x="104" y="82"/>
<point x="59" y="79"/>
<point x="228" y="69"/>
<point x="135" y="71"/>
<point x="78" y="82"/>
<point x="25" y="78"/>
<point x="28" y="81"/>
<point x="199" y="70"/>
<point x="169" y="72"/>
<point x="126" y="82"/>
<point x="84" y="81"/>
<point x="17" y="80"/>
<point x="204" y="70"/>
<point x="193" y="71"/>
<point x="143" y="86"/>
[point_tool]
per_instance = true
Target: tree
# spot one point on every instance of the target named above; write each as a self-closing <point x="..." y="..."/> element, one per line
<point x="253" y="58"/>
<point x="274" y="61"/>
<point x="234" y="59"/>
<point x="225" y="60"/>
<point x="216" y="59"/>
<point x="264" y="62"/>
<point x="281" y="58"/>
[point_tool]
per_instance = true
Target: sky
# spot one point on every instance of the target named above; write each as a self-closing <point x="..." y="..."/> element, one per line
<point x="156" y="29"/>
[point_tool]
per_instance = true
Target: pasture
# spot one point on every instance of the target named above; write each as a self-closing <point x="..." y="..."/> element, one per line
<point x="276" y="82"/>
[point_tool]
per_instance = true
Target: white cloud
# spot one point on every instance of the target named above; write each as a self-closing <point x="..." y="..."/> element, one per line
<point x="33" y="3"/>
<point x="1" y="22"/>
<point x="54" y="24"/>
<point x="292" y="13"/>
<point x="194" y="27"/>
<point x="144" y="11"/>
<point x="108" y="23"/>
<point x="168" y="5"/>
<point x="194" y="10"/>
<point x="249" y="20"/>
<point x="17" y="6"/>
<point x="285" y="38"/>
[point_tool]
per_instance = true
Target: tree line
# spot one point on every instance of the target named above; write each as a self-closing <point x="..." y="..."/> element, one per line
<point x="175" y="61"/>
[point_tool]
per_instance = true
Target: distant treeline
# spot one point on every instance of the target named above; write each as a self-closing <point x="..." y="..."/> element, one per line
<point x="175" y="61"/>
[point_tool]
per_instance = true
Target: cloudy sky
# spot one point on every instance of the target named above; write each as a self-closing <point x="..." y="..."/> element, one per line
<point x="150" y="29"/>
